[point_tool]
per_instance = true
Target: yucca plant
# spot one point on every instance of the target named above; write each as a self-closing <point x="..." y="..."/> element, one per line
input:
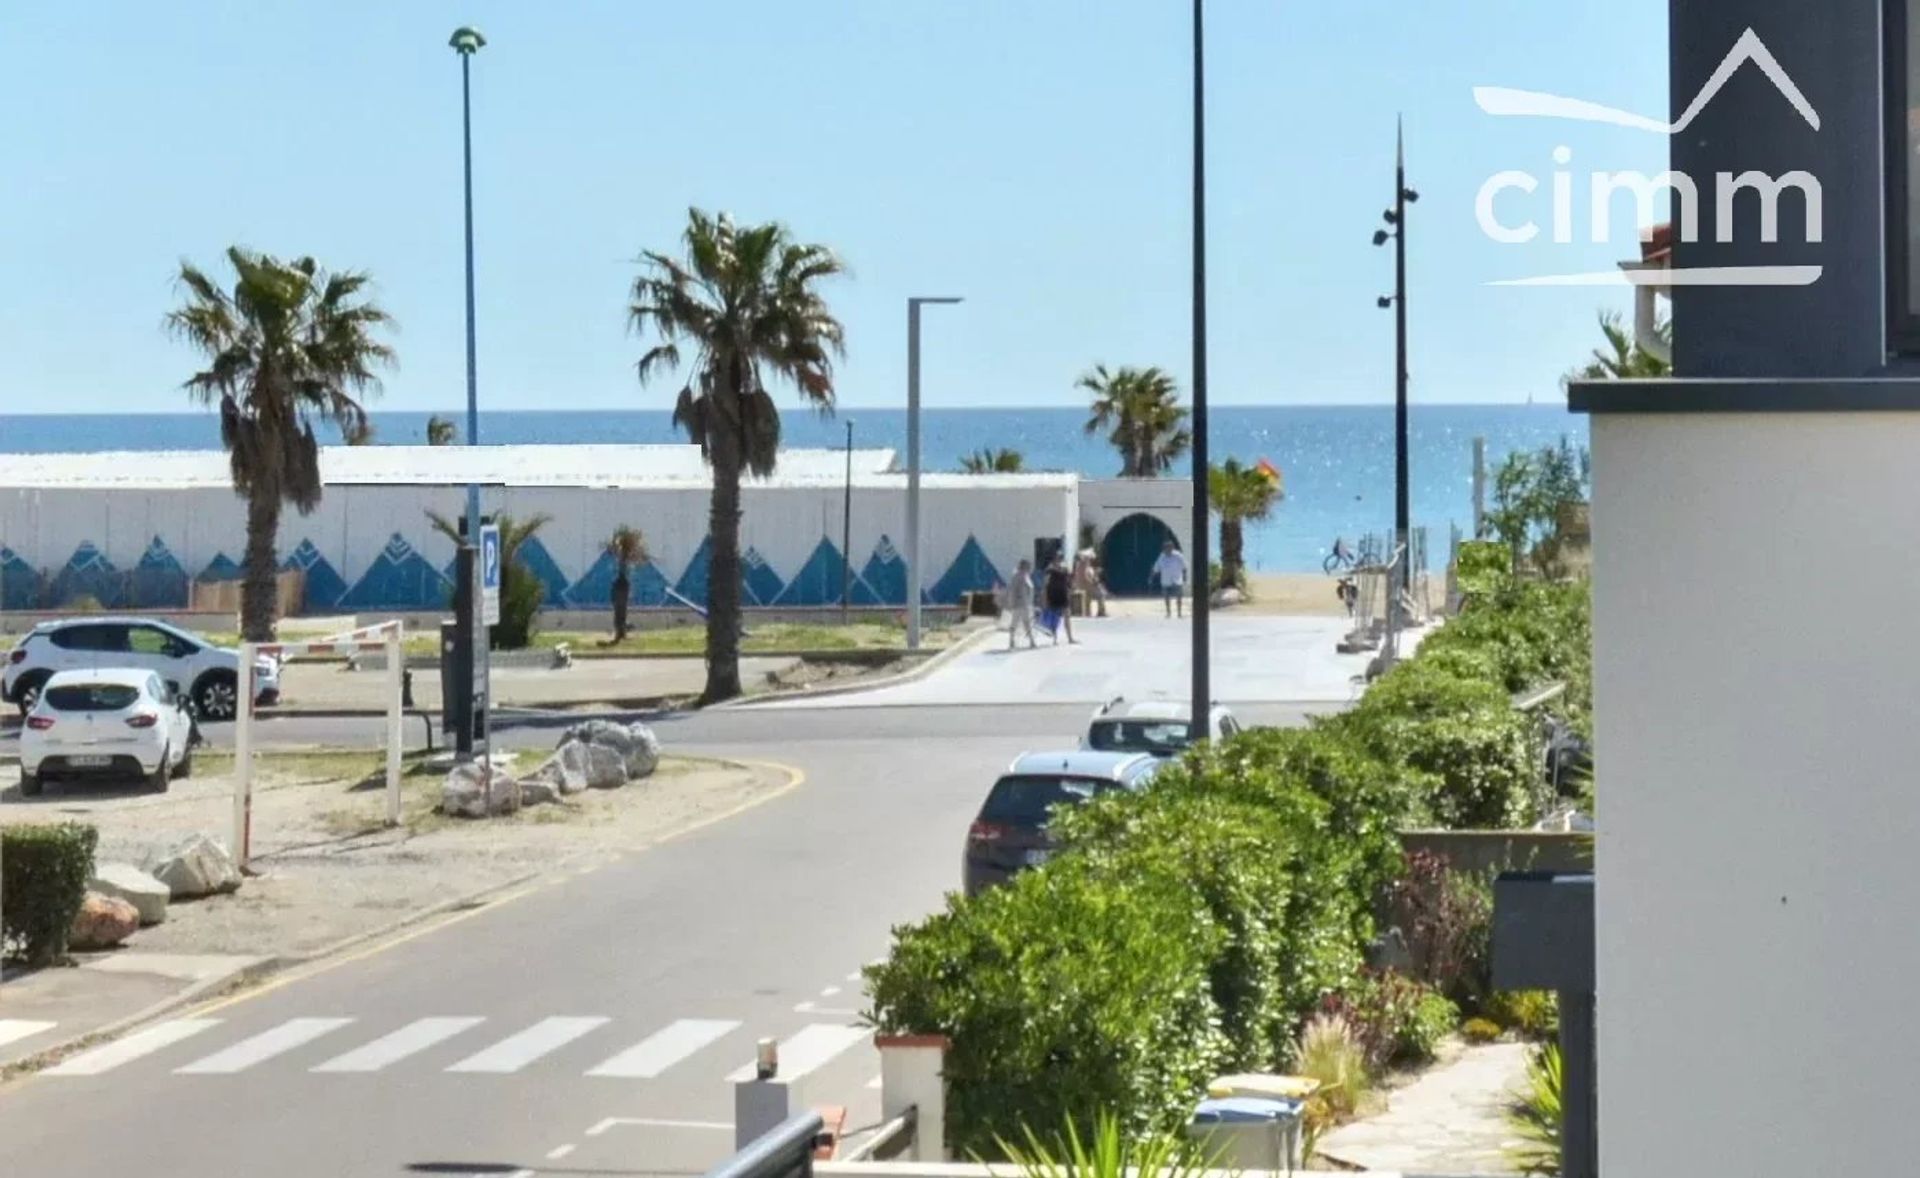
<point x="1108" y="1153"/>
<point x="1536" y="1115"/>
<point x="1329" y="1050"/>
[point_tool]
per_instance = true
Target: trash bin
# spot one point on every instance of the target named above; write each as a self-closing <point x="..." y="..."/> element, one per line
<point x="1249" y="1133"/>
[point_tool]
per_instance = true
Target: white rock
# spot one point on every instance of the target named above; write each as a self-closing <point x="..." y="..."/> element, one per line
<point x="538" y="791"/>
<point x="464" y="794"/>
<point x="197" y="867"/>
<point x="643" y="757"/>
<point x="124" y="881"/>
<point x="606" y="767"/>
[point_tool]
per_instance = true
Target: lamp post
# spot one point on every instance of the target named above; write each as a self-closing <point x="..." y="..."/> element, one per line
<point x="846" y="536"/>
<point x="1402" y="524"/>
<point x="913" y="463"/>
<point x="1202" y="697"/>
<point x="466" y="42"/>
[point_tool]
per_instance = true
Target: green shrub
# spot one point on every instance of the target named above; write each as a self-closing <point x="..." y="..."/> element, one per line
<point x="46" y="869"/>
<point x="1533" y="1013"/>
<point x="1329" y="1051"/>
<point x="1108" y="1151"/>
<point x="1067" y="993"/>
<point x="1446" y="918"/>
<point x="1479" y="1030"/>
<point x="1397" y="1019"/>
<point x="1483" y="566"/>
<point x="1535" y="1117"/>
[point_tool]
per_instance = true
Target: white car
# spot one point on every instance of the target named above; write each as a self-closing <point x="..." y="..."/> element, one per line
<point x="207" y="675"/>
<point x="1157" y="726"/>
<point x="115" y="722"/>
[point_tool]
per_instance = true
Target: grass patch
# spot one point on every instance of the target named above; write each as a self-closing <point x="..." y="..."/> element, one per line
<point x="691" y="640"/>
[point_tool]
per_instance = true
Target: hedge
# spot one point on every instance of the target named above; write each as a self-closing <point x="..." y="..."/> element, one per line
<point x="44" y="871"/>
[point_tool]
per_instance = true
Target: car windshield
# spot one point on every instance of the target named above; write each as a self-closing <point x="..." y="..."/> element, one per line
<point x="1140" y="736"/>
<point x="1027" y="800"/>
<point x="91" y="697"/>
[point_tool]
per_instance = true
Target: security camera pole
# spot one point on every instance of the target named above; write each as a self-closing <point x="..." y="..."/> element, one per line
<point x="1402" y="523"/>
<point x="1198" y="571"/>
<point x="466" y="42"/>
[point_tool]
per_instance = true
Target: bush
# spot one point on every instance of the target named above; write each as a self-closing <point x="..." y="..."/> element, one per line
<point x="1479" y="1030"/>
<point x="1066" y="993"/>
<point x="1396" y="1019"/>
<point x="1446" y="918"/>
<point x="1329" y="1051"/>
<point x="521" y="597"/>
<point x="45" y="874"/>
<point x="1535" y="1117"/>
<point x="1533" y="1013"/>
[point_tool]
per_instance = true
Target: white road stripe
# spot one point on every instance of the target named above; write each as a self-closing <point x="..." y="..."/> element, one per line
<point x="517" y="1051"/>
<point x="293" y="1033"/>
<point x="802" y="1053"/>
<point x="559" y="1151"/>
<point x="409" y="1040"/>
<point x="664" y="1048"/>
<point x="102" y="1059"/>
<point x="874" y="1083"/>
<point x="13" y="1029"/>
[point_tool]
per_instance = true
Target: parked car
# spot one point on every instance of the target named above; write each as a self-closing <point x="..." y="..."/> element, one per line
<point x="1011" y="832"/>
<point x="112" y="722"/>
<point x="207" y="675"/>
<point x="1157" y="726"/>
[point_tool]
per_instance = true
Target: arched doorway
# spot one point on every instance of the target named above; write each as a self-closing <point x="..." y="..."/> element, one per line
<point x="1128" y="552"/>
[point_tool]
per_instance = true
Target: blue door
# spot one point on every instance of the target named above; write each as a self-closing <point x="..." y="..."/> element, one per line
<point x="1128" y="552"/>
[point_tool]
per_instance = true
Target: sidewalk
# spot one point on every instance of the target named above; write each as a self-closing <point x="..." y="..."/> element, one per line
<point x="1451" y="1120"/>
<point x="52" y="1008"/>
<point x="331" y="687"/>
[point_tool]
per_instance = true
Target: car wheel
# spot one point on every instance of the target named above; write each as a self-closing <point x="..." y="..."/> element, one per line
<point x="216" y="697"/>
<point x="28" y="691"/>
<point x="31" y="784"/>
<point x="185" y="767"/>
<point x="162" y="775"/>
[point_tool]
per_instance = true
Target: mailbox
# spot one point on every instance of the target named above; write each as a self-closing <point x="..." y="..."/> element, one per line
<point x="1543" y="940"/>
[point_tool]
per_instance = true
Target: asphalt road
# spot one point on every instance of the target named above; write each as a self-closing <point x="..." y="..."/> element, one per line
<point x="471" y="1047"/>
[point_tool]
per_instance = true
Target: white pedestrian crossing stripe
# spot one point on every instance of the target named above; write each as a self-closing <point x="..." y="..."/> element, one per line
<point x="12" y="1030"/>
<point x="656" y="1053"/>
<point x="134" y="1046"/>
<point x="517" y="1051"/>
<point x="293" y="1033"/>
<point x="806" y="1051"/>
<point x="409" y="1040"/>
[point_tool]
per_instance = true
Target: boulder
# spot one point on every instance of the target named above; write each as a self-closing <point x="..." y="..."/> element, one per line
<point x="643" y="755"/>
<point x="464" y="793"/>
<point x="102" y="922"/>
<point x="606" y="767"/>
<point x="124" y="881"/>
<point x="536" y="790"/>
<point x="565" y="770"/>
<point x="197" y="867"/>
<point x="635" y="744"/>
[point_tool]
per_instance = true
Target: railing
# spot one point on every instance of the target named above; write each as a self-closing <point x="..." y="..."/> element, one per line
<point x="783" y="1152"/>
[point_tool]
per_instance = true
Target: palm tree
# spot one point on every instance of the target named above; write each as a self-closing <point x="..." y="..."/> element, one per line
<point x="441" y="431"/>
<point x="1140" y="410"/>
<point x="746" y="299"/>
<point x="289" y="343"/>
<point x="627" y="547"/>
<point x="993" y="462"/>
<point x="521" y="593"/>
<point x="360" y="434"/>
<point x="1240" y="493"/>
<point x="1623" y="358"/>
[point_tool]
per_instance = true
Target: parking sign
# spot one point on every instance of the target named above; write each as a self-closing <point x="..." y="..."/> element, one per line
<point x="489" y="575"/>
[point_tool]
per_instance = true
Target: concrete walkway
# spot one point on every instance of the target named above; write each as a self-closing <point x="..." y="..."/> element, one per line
<point x="46" y="1009"/>
<point x="1452" y="1120"/>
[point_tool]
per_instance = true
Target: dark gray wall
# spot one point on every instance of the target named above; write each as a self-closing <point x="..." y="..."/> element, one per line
<point x="1832" y="49"/>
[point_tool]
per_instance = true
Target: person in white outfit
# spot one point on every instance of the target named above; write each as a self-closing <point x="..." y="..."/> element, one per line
<point x="1020" y="605"/>
<point x="1171" y="571"/>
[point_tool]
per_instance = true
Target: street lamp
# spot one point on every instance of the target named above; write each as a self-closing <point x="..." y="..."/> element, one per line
<point x="1402" y="524"/>
<point x="913" y="462"/>
<point x="466" y="42"/>
<point x="846" y="536"/>
<point x="1202" y="648"/>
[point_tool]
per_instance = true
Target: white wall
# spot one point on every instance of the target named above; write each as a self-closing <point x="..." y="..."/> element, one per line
<point x="1105" y="502"/>
<point x="1757" y="682"/>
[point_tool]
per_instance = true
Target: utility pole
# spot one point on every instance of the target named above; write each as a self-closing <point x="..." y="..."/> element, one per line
<point x="1402" y="509"/>
<point x="846" y="536"/>
<point x="466" y="42"/>
<point x="913" y="465"/>
<point x="1201" y="703"/>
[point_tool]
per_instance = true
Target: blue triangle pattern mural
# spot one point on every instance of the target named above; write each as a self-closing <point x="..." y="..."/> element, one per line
<point x="647" y="586"/>
<point x="692" y="584"/>
<point x="534" y="557"/>
<point x="820" y="580"/>
<point x="325" y="586"/>
<point x="158" y="580"/>
<point x="970" y="572"/>
<point x="88" y="573"/>
<point x="19" y="581"/>
<point x="221" y="568"/>
<point x="399" y="578"/>
<point x="758" y="582"/>
<point x="884" y="580"/>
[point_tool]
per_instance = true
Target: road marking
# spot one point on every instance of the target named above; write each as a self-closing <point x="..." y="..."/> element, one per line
<point x="650" y="1123"/>
<point x="802" y="1053"/>
<point x="874" y="1083"/>
<point x="517" y="1051"/>
<point x="560" y="1151"/>
<point x="408" y="1040"/>
<point x="664" y="1048"/>
<point x="140" y="1043"/>
<point x="264" y="1046"/>
<point x="12" y="1029"/>
<point x="812" y="1007"/>
<point x="829" y="992"/>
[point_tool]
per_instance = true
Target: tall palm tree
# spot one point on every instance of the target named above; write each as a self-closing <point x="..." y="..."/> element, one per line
<point x="1623" y="358"/>
<point x="521" y="593"/>
<point x="627" y="547"/>
<point x="441" y="431"/>
<point x="1140" y="410"/>
<point x="287" y="344"/>
<point x="360" y="434"/>
<point x="746" y="300"/>
<point x="1240" y="493"/>
<point x="993" y="462"/>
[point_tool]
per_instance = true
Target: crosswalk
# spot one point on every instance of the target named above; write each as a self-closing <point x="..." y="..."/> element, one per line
<point x="698" y="1049"/>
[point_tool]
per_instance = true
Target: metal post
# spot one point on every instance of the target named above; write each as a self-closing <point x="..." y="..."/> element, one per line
<point x="1402" y="510"/>
<point x="1479" y="488"/>
<point x="466" y="42"/>
<point x="243" y="758"/>
<point x="914" y="580"/>
<point x="846" y="536"/>
<point x="1202" y="517"/>
<point x="396" y="656"/>
<point x="1580" y="1091"/>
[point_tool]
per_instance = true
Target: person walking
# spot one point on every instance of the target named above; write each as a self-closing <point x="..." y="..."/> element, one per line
<point x="1020" y="606"/>
<point x="1171" y="571"/>
<point x="1086" y="578"/>
<point x="1059" y="595"/>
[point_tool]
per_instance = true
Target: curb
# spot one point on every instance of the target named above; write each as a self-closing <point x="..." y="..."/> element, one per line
<point x="927" y="667"/>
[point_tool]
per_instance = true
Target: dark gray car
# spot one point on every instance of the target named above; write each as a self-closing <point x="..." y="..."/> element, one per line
<point x="1011" y="834"/>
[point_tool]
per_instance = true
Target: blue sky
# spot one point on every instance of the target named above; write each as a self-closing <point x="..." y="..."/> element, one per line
<point x="1031" y="156"/>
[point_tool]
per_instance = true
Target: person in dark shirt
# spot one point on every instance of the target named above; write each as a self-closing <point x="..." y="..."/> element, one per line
<point x="1058" y="595"/>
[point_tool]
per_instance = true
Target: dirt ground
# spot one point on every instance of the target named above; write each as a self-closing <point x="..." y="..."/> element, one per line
<point x="329" y="867"/>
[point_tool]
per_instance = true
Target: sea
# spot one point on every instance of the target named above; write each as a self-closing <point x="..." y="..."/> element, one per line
<point x="1337" y="461"/>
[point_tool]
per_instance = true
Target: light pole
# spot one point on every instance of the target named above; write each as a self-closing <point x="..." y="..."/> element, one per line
<point x="913" y="463"/>
<point x="1397" y="217"/>
<point x="466" y="42"/>
<point x="846" y="536"/>
<point x="1202" y="635"/>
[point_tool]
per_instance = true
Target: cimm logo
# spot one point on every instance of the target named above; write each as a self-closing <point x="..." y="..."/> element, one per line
<point x="1507" y="215"/>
